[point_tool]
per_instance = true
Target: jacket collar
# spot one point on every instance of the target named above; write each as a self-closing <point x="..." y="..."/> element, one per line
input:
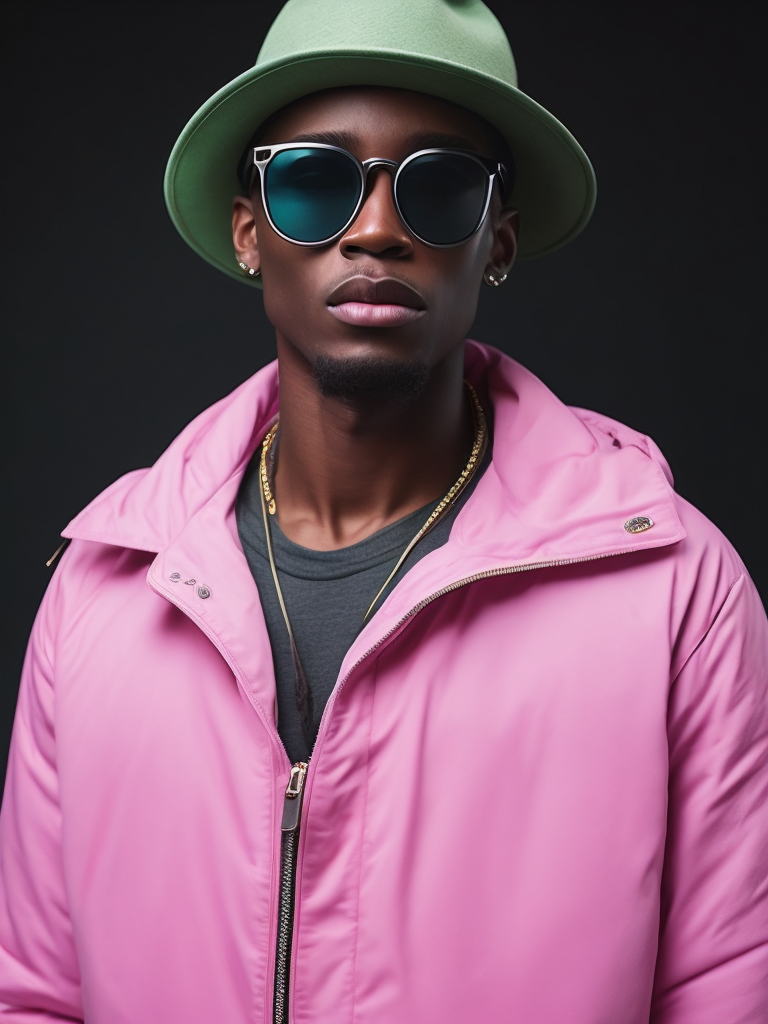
<point x="148" y="508"/>
<point x="561" y="485"/>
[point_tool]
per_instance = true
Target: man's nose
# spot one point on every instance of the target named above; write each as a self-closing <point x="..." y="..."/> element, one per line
<point x="377" y="228"/>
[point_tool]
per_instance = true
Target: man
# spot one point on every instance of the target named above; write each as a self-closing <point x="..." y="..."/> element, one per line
<point x="405" y="693"/>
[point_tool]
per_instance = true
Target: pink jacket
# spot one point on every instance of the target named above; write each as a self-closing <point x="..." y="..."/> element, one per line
<point x="539" y="793"/>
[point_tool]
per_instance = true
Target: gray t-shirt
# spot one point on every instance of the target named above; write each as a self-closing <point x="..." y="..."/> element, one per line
<point x="326" y="593"/>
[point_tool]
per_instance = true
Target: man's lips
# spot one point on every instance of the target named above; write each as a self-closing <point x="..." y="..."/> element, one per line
<point x="375" y="302"/>
<point x="379" y="291"/>
<point x="375" y="314"/>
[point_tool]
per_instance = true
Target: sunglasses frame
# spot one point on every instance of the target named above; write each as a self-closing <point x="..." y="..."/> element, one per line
<point x="262" y="156"/>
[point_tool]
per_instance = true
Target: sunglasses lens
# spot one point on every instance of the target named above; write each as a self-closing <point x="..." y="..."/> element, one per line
<point x="442" y="196"/>
<point x="311" y="193"/>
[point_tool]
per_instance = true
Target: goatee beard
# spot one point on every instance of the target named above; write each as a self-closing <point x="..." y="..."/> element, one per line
<point x="382" y="381"/>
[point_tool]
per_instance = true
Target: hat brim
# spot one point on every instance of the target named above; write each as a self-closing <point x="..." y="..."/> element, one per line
<point x="554" y="187"/>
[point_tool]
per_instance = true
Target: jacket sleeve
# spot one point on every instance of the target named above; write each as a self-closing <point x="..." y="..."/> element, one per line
<point x="712" y="965"/>
<point x="39" y="978"/>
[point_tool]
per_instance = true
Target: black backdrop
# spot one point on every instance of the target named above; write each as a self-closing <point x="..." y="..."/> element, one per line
<point x="120" y="334"/>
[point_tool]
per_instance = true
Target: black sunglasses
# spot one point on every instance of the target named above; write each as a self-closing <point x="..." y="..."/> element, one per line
<point x="312" y="192"/>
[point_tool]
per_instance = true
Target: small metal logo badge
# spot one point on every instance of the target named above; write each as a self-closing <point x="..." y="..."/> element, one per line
<point x="176" y="577"/>
<point x="638" y="525"/>
<point x="203" y="590"/>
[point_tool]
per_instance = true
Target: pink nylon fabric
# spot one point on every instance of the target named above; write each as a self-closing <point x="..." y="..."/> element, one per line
<point x="539" y="792"/>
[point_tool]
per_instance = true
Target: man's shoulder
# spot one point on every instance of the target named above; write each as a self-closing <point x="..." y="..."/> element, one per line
<point x="706" y="562"/>
<point x="92" y="521"/>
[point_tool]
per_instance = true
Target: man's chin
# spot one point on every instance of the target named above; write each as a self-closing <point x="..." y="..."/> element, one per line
<point x="360" y="378"/>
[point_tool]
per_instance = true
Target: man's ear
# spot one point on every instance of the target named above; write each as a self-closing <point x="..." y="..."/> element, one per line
<point x="244" y="232"/>
<point x="506" y="231"/>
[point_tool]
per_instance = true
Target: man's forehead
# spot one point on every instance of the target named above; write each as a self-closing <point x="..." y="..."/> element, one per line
<point x="351" y="116"/>
<point x="350" y="140"/>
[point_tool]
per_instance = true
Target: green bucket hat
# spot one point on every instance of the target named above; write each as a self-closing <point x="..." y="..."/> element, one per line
<point x="453" y="49"/>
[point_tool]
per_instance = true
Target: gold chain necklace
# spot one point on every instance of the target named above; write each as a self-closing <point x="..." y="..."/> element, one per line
<point x="269" y="507"/>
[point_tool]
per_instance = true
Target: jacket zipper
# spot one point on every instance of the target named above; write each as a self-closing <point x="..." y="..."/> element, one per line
<point x="502" y="571"/>
<point x="294" y="792"/>
<point x="289" y="844"/>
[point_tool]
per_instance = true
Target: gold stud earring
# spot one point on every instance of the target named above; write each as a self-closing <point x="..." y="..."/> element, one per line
<point x="492" y="281"/>
<point x="245" y="268"/>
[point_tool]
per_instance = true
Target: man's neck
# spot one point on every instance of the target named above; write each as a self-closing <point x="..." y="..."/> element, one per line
<point x="346" y="468"/>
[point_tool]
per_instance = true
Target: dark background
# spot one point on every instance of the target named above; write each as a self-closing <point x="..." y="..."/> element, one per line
<point x="120" y="334"/>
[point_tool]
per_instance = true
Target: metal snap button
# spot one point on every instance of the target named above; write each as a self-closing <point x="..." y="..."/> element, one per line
<point x="203" y="592"/>
<point x="639" y="524"/>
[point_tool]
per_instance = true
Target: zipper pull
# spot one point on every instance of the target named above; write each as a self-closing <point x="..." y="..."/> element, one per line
<point x="294" y="794"/>
<point x="64" y="544"/>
